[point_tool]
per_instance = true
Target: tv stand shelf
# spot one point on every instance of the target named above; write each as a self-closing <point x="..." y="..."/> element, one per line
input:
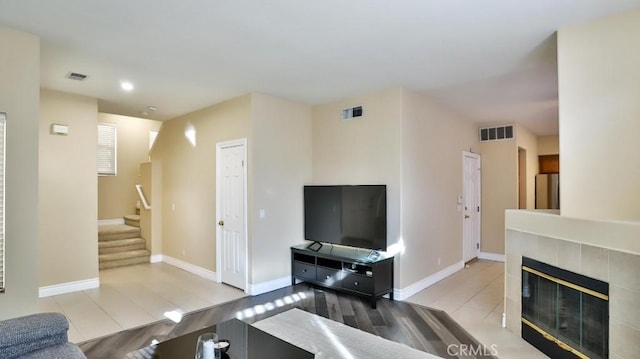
<point x="346" y="269"/>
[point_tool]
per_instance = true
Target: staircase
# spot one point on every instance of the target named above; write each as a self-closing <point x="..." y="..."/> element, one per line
<point x="120" y="245"/>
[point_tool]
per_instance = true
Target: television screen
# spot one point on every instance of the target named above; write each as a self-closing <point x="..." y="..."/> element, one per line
<point x="353" y="216"/>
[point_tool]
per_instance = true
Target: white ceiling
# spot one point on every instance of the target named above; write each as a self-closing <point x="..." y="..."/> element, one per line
<point x="493" y="60"/>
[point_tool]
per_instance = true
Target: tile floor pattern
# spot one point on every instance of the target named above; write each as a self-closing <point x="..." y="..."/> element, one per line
<point x="137" y="295"/>
<point x="474" y="297"/>
<point x="132" y="296"/>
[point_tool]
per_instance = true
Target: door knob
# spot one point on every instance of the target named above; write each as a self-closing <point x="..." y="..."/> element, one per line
<point x="466" y="216"/>
<point x="221" y="223"/>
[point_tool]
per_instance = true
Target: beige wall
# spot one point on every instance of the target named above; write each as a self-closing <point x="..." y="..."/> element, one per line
<point x="414" y="146"/>
<point x="529" y="142"/>
<point x="548" y="145"/>
<point x="598" y="76"/>
<point x="156" y="207"/>
<point x="145" y="214"/>
<point x="117" y="194"/>
<point x="281" y="166"/>
<point x="19" y="97"/>
<point x="188" y="173"/>
<point x="361" y="151"/>
<point x="67" y="189"/>
<point x="433" y="140"/>
<point x="499" y="190"/>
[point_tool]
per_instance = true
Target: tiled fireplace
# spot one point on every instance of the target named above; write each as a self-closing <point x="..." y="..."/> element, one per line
<point x="564" y="314"/>
<point x="603" y="263"/>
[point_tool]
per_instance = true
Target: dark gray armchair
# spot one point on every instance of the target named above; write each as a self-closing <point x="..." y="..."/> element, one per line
<point x="36" y="336"/>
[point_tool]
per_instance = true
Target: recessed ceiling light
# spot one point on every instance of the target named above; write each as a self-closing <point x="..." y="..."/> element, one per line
<point x="126" y="85"/>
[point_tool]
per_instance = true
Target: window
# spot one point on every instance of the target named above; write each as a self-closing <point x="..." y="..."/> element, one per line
<point x="3" y="121"/>
<point x="107" y="149"/>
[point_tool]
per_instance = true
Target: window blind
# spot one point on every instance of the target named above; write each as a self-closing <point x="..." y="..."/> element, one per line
<point x="3" y="120"/>
<point x="107" y="149"/>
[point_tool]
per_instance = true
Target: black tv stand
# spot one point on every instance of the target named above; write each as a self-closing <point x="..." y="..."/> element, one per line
<point x="345" y="269"/>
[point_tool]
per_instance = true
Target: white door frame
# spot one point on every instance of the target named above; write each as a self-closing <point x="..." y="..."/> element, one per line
<point x="479" y="189"/>
<point x="219" y="147"/>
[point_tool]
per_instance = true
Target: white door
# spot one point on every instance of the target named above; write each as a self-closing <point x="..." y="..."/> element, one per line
<point x="231" y="187"/>
<point x="471" y="206"/>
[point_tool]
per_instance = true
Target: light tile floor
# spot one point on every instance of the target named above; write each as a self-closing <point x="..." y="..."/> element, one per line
<point x="474" y="297"/>
<point x="132" y="296"/>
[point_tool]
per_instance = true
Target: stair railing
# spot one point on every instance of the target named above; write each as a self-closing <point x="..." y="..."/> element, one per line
<point x="143" y="199"/>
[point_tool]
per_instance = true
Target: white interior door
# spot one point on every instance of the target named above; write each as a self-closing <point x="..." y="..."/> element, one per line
<point x="231" y="212"/>
<point x="471" y="206"/>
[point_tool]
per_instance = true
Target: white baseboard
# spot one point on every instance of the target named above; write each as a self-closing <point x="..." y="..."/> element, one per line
<point x="110" y="222"/>
<point x="252" y="289"/>
<point x="491" y="256"/>
<point x="259" y="288"/>
<point x="199" y="271"/>
<point x="404" y="293"/>
<point x="68" y="287"/>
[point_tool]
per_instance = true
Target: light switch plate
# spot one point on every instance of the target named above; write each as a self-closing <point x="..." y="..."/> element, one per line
<point x="58" y="129"/>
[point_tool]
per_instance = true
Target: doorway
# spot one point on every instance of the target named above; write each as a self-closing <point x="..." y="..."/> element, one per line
<point x="471" y="206"/>
<point x="231" y="204"/>
<point x="522" y="178"/>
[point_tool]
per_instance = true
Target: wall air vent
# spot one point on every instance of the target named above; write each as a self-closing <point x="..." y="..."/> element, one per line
<point x="496" y="133"/>
<point x="352" y="113"/>
<point x="76" y="76"/>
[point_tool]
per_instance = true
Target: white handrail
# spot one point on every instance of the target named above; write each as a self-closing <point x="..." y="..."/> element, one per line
<point x="142" y="197"/>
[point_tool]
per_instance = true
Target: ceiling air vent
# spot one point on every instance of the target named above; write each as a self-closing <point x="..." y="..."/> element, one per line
<point x="352" y="113"/>
<point x="496" y="133"/>
<point x="76" y="76"/>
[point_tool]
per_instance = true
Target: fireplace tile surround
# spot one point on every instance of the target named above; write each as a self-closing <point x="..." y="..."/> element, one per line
<point x="600" y="254"/>
<point x="566" y="315"/>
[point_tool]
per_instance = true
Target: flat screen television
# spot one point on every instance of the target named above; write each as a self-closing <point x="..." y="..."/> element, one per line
<point x="348" y="215"/>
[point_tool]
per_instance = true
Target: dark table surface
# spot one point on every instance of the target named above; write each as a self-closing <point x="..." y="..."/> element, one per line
<point x="246" y="342"/>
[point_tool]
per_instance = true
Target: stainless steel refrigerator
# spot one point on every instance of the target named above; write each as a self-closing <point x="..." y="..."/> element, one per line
<point x="548" y="191"/>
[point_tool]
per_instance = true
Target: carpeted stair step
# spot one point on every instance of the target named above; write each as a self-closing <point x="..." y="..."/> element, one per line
<point x="119" y="231"/>
<point x="113" y="260"/>
<point x="121" y="245"/>
<point x="132" y="220"/>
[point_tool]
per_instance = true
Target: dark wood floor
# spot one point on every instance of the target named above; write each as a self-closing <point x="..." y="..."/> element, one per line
<point x="422" y="328"/>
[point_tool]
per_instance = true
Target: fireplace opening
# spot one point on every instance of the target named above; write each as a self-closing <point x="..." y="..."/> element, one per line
<point x="564" y="314"/>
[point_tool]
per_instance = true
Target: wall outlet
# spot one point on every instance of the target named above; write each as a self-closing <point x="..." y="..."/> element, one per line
<point x="173" y="206"/>
<point x="184" y="252"/>
<point x="439" y="261"/>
